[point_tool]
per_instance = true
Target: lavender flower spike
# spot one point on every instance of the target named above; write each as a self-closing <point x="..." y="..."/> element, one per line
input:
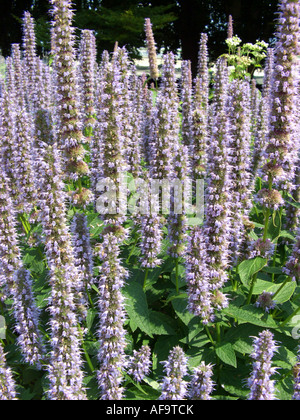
<point x="111" y="306"/>
<point x="199" y="294"/>
<point x="7" y="383"/>
<point x="27" y="317"/>
<point x="70" y="134"/>
<point x="154" y="73"/>
<point x="260" y="383"/>
<point x="174" y="387"/>
<point x="201" y="385"/>
<point x="140" y="363"/>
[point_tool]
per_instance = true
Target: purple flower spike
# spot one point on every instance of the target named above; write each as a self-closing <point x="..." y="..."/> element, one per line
<point x="174" y="387"/>
<point x="201" y="385"/>
<point x="7" y="383"/>
<point x="140" y="363"/>
<point x="260" y="383"/>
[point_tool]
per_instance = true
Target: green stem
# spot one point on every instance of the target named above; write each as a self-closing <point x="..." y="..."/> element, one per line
<point x="252" y="288"/>
<point x="209" y="335"/>
<point x="281" y="287"/>
<point x="290" y="317"/>
<point x="267" y="216"/>
<point x="177" y="275"/>
<point x="146" y="278"/>
<point x="87" y="357"/>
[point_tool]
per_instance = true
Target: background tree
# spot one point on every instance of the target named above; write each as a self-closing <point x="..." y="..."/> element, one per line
<point x="176" y="23"/>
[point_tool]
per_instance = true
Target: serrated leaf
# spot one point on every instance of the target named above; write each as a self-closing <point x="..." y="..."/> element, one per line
<point x="248" y="268"/>
<point x="226" y="353"/>
<point x="250" y="314"/>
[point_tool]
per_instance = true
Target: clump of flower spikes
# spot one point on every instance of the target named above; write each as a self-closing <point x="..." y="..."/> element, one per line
<point x="64" y="367"/>
<point x="201" y="384"/>
<point x="173" y="386"/>
<point x="111" y="306"/>
<point x="7" y="382"/>
<point x="140" y="363"/>
<point x="70" y="134"/>
<point x="151" y="46"/>
<point x="260" y="383"/>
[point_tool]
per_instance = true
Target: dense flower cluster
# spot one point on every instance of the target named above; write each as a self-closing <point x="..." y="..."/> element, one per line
<point x="174" y="387"/>
<point x="140" y="363"/>
<point x="260" y="383"/>
<point x="201" y="385"/>
<point x="111" y="330"/>
<point x="7" y="383"/>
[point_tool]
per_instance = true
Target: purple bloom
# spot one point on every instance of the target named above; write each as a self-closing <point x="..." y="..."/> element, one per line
<point x="151" y="46"/>
<point x="27" y="319"/>
<point x="111" y="306"/>
<point x="201" y="385"/>
<point x="260" y="383"/>
<point x="7" y="383"/>
<point x="266" y="302"/>
<point x="140" y="363"/>
<point x="174" y="387"/>
<point x="199" y="294"/>
<point x="70" y="134"/>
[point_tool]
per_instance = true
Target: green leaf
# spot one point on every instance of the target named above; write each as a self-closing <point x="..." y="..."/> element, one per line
<point x="161" y="324"/>
<point x="227" y="354"/>
<point x="248" y="268"/>
<point x="250" y="314"/>
<point x="179" y="304"/>
<point x="137" y="307"/>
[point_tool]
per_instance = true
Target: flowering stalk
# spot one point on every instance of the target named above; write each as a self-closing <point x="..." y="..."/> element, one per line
<point x="239" y="108"/>
<point x="187" y="105"/>
<point x="111" y="306"/>
<point x="140" y="363"/>
<point x="20" y="86"/>
<point x="7" y="383"/>
<point x="151" y="46"/>
<point x="70" y="134"/>
<point x="88" y="64"/>
<point x="203" y="74"/>
<point x="165" y="128"/>
<point x="109" y="161"/>
<point x="174" y="387"/>
<point x="64" y="369"/>
<point x="199" y="294"/>
<point x="217" y="221"/>
<point x="201" y="385"/>
<point x="260" y="383"/>
<point x="29" y="47"/>
<point x="280" y="150"/>
<point x="27" y="317"/>
<point x="83" y="253"/>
